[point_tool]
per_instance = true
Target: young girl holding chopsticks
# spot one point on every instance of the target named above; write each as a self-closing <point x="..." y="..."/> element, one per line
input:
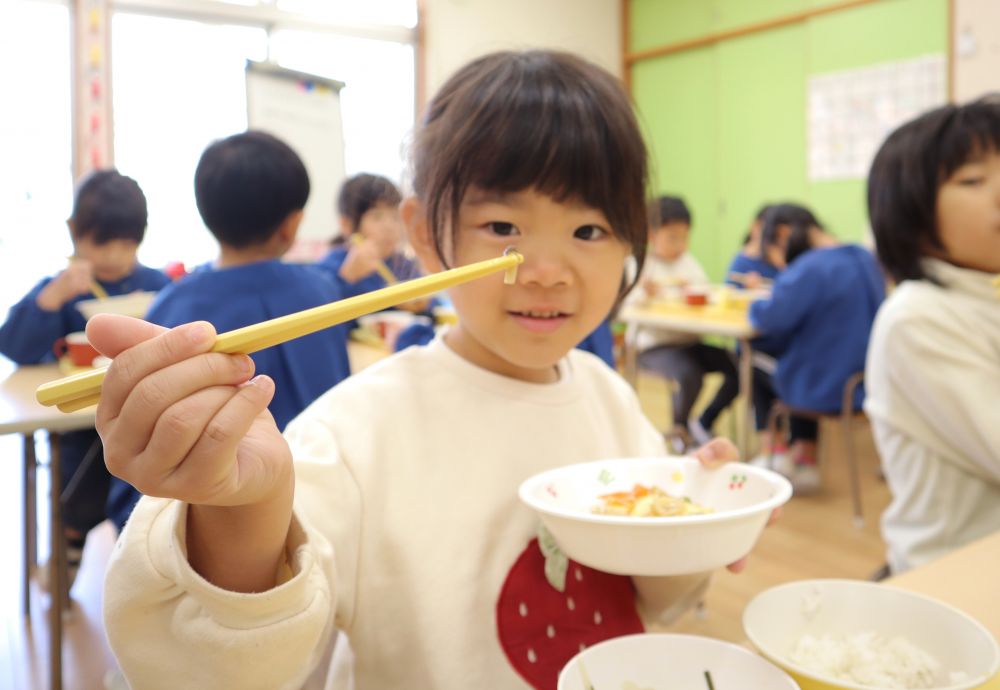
<point x="400" y="546"/>
<point x="933" y="371"/>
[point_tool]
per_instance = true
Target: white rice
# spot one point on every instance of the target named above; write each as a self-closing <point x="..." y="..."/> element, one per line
<point x="868" y="658"/>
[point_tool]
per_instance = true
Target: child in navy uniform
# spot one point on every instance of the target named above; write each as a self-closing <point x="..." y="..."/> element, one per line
<point x="755" y="264"/>
<point x="817" y="322"/>
<point x="250" y="189"/>
<point x="107" y="226"/>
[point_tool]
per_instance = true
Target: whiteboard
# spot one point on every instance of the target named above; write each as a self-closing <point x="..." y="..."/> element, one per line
<point x="303" y="110"/>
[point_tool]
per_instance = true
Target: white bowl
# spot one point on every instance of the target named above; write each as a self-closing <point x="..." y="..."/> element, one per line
<point x="131" y="304"/>
<point x="776" y="618"/>
<point x="742" y="497"/>
<point x="665" y="661"/>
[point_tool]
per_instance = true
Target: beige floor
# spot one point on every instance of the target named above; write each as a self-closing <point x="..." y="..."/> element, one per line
<point x="814" y="538"/>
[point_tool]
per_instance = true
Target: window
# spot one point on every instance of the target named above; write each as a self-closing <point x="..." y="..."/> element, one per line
<point x="36" y="187"/>
<point x="178" y="85"/>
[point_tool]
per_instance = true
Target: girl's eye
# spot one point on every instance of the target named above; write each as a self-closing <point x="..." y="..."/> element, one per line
<point x="971" y="180"/>
<point x="501" y="229"/>
<point x="590" y="232"/>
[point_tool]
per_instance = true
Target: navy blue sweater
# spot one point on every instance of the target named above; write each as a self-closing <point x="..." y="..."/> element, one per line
<point x="231" y="298"/>
<point x="821" y="313"/>
<point x="30" y="332"/>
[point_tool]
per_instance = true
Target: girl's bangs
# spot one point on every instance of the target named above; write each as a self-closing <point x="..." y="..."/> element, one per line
<point x="551" y="144"/>
<point x="973" y="131"/>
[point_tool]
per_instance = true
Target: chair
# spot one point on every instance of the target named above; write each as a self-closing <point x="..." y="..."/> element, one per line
<point x="846" y="416"/>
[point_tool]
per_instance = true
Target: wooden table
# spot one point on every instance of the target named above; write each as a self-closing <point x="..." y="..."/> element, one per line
<point x="703" y="320"/>
<point x="966" y="579"/>
<point x="21" y="414"/>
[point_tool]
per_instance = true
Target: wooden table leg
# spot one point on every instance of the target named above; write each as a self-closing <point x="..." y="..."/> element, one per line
<point x="631" y="342"/>
<point x="57" y="566"/>
<point x="30" y="520"/>
<point x="746" y="391"/>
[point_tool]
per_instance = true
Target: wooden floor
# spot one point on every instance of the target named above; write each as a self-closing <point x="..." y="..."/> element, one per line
<point x="813" y="538"/>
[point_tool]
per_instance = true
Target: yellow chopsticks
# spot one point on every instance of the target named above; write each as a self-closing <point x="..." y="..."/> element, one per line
<point x="996" y="284"/>
<point x="387" y="275"/>
<point x="82" y="390"/>
<point x="95" y="287"/>
<point x="98" y="290"/>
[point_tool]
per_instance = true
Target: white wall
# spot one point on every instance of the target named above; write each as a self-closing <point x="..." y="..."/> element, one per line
<point x="459" y="30"/>
<point x="976" y="48"/>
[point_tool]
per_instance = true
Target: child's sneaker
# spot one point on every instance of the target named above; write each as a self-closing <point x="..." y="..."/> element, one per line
<point x="806" y="479"/>
<point x="780" y="462"/>
<point x="698" y="432"/>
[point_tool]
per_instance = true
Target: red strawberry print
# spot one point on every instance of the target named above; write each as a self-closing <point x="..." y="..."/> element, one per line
<point x="541" y="628"/>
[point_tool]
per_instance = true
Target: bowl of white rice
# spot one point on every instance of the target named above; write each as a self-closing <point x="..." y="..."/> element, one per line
<point x="854" y="635"/>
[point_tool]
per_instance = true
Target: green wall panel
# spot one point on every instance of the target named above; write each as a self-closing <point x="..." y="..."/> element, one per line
<point x="726" y="123"/>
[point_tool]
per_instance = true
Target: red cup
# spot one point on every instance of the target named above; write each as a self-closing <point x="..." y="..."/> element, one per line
<point x="696" y="299"/>
<point x="76" y="346"/>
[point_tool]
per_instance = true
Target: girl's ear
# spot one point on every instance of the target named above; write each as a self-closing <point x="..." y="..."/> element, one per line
<point x="345" y="226"/>
<point x="418" y="232"/>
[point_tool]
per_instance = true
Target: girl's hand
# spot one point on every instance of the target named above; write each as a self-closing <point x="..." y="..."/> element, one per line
<point x="74" y="280"/>
<point x="716" y="453"/>
<point x="650" y="287"/>
<point x="362" y="260"/>
<point x="182" y="422"/>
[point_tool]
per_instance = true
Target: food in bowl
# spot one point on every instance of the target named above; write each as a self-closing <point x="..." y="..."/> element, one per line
<point x="647" y="501"/>
<point x="872" y="659"/>
<point x="130" y="304"/>
<point x="741" y="497"/>
<point x="874" y="624"/>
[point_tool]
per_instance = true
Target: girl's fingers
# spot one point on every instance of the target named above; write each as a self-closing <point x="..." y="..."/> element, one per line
<point x="112" y="333"/>
<point x="213" y="473"/>
<point x="154" y="394"/>
<point x="175" y="433"/>
<point x="136" y="362"/>
<point x="717" y="452"/>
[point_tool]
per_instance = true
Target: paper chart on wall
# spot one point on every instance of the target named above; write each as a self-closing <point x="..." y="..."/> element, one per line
<point x="850" y="113"/>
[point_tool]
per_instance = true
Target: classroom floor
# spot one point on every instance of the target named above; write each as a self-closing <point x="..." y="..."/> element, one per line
<point x="813" y="538"/>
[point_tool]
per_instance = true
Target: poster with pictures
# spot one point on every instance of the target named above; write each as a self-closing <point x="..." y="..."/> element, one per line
<point x="850" y="113"/>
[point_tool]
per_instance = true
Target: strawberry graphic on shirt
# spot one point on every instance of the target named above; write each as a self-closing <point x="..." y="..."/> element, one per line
<point x="550" y="608"/>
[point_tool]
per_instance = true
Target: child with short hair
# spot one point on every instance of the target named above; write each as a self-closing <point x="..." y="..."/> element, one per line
<point x="817" y="322"/>
<point x="682" y="357"/>
<point x="405" y="535"/>
<point x="755" y="265"/>
<point x="933" y="371"/>
<point x="107" y="226"/>
<point x="250" y="189"/>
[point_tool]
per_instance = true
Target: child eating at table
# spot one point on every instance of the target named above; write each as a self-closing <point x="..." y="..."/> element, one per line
<point x="816" y="323"/>
<point x="106" y="227"/>
<point x="933" y="370"/>
<point x="250" y="190"/>
<point x="681" y="357"/>
<point x="405" y="528"/>
<point x="367" y="255"/>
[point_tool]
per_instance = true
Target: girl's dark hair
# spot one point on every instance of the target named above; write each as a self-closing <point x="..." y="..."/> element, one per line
<point x="668" y="209"/>
<point x="909" y="169"/>
<point x="759" y="218"/>
<point x="109" y="206"/>
<point x="799" y="218"/>
<point x="361" y="193"/>
<point x="511" y="121"/>
<point x="246" y="185"/>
